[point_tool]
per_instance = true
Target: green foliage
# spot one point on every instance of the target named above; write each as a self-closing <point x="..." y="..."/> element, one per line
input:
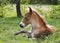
<point x="12" y="1"/>
<point x="1" y="13"/>
<point x="55" y="13"/>
<point x="4" y="2"/>
<point x="24" y="1"/>
<point x="8" y="11"/>
<point x="58" y="1"/>
<point x="47" y="11"/>
<point x="40" y="2"/>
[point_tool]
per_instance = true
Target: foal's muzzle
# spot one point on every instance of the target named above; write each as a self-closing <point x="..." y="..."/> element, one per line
<point x="21" y="26"/>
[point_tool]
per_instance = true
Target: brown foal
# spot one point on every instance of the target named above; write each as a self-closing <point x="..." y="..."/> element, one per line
<point x="39" y="27"/>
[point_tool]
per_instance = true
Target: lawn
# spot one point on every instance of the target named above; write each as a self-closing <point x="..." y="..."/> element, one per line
<point x="10" y="25"/>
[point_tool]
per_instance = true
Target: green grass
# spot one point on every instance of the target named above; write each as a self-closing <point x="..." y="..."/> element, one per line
<point x="8" y="26"/>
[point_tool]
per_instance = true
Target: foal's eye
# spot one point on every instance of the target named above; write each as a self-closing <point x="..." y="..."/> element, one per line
<point x="26" y="18"/>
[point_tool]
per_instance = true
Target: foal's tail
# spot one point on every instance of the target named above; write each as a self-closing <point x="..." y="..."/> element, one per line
<point x="51" y="28"/>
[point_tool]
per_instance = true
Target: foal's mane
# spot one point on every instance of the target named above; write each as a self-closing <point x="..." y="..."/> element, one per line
<point x="40" y="17"/>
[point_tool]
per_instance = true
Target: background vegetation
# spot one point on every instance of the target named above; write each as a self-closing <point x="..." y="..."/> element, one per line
<point x="9" y="22"/>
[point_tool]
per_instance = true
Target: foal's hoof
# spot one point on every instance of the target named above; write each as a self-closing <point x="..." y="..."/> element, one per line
<point x="29" y="37"/>
<point x="16" y="34"/>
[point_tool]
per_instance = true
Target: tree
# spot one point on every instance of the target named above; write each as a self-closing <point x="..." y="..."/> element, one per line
<point x="18" y="8"/>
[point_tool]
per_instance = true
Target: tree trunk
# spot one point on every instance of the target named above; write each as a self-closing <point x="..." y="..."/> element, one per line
<point x="18" y="10"/>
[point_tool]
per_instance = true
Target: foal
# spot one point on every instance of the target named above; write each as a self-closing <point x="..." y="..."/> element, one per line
<point x="39" y="27"/>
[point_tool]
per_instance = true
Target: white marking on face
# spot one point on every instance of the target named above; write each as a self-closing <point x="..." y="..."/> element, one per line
<point x="22" y="23"/>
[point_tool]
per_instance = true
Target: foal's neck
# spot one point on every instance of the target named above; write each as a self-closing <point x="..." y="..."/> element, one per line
<point x="37" y="21"/>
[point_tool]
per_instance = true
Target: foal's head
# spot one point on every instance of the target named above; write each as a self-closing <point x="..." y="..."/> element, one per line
<point x="26" y="19"/>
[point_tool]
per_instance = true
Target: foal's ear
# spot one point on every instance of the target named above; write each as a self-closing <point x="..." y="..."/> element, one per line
<point x="30" y="10"/>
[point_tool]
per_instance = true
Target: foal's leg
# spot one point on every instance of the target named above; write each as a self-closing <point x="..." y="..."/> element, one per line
<point x="27" y="33"/>
<point x="20" y="32"/>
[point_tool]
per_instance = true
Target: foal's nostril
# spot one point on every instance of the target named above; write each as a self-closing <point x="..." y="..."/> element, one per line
<point x="21" y="26"/>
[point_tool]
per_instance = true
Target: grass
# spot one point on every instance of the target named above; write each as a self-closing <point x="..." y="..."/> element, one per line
<point x="8" y="26"/>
